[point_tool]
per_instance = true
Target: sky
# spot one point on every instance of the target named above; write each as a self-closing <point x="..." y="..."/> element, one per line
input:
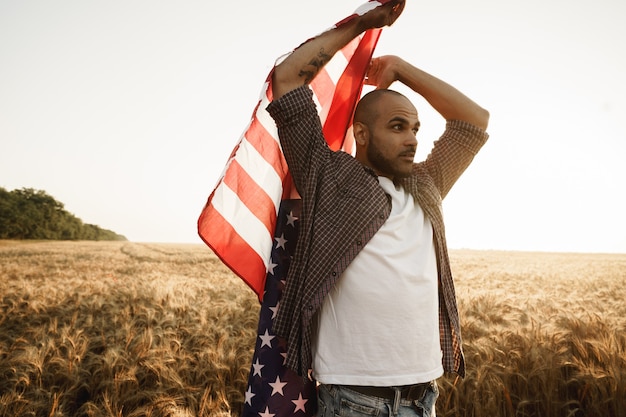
<point x="127" y="111"/>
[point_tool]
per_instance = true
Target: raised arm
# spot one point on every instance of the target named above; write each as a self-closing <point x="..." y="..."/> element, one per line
<point x="447" y="100"/>
<point x="302" y="65"/>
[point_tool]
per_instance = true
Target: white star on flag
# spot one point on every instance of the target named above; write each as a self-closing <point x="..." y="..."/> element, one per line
<point x="249" y="395"/>
<point x="257" y="368"/>
<point x="277" y="386"/>
<point x="270" y="267"/>
<point x="266" y="339"/>
<point x="291" y="219"/>
<point x="274" y="310"/>
<point x="299" y="403"/>
<point x="267" y="413"/>
<point x="280" y="241"/>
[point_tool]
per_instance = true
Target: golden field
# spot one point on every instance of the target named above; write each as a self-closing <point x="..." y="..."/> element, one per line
<point x="131" y="329"/>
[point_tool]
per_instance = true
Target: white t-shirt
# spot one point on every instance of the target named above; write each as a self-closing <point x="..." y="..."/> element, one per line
<point x="379" y="325"/>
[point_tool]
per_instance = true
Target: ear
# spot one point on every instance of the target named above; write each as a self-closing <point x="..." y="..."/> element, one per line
<point x="361" y="133"/>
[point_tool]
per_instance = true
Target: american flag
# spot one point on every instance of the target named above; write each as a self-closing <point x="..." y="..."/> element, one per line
<point x="250" y="220"/>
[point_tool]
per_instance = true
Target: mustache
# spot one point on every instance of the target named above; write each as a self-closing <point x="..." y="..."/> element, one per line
<point x="408" y="152"/>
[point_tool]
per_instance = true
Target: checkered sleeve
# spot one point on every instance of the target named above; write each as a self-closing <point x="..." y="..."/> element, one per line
<point x="453" y="153"/>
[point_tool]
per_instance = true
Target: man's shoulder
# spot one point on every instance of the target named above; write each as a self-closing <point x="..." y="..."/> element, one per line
<point x="349" y="166"/>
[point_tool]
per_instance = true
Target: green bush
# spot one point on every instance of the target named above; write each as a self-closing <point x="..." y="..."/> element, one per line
<point x="33" y="214"/>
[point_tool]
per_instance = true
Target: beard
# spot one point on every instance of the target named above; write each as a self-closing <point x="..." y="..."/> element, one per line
<point x="384" y="165"/>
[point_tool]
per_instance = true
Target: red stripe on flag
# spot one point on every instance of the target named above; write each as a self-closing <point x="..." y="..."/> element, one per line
<point x="324" y="87"/>
<point x="348" y="91"/>
<point x="232" y="250"/>
<point x="351" y="48"/>
<point x="251" y="194"/>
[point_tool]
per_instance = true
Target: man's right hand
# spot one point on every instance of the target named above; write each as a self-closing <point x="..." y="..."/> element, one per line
<point x="305" y="62"/>
<point x="385" y="15"/>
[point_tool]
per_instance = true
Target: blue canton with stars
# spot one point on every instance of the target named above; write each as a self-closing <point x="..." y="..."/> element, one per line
<point x="273" y="389"/>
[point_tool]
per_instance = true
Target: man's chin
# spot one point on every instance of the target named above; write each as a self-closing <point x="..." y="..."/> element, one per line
<point x="404" y="174"/>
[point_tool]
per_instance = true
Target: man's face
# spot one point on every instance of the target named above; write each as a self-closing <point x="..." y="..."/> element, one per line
<point x="391" y="144"/>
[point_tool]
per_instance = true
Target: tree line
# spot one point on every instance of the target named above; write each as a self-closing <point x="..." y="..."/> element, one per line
<point x="33" y="214"/>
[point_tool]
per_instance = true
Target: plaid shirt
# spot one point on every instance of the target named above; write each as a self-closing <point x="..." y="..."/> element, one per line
<point x="343" y="206"/>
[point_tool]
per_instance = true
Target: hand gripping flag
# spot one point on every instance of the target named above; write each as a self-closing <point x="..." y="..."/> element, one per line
<point x="250" y="220"/>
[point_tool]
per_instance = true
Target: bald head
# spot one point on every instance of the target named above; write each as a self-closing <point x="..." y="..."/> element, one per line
<point x="367" y="110"/>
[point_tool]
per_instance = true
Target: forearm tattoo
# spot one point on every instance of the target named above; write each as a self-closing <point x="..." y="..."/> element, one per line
<point x="313" y="67"/>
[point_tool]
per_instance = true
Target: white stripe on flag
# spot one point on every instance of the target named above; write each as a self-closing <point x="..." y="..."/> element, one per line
<point x="266" y="121"/>
<point x="320" y="110"/>
<point x="243" y="221"/>
<point x="336" y="67"/>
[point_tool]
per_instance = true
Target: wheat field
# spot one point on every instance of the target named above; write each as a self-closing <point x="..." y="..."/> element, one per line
<point x="132" y="329"/>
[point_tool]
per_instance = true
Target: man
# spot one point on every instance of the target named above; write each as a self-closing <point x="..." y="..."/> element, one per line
<point x="369" y="304"/>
